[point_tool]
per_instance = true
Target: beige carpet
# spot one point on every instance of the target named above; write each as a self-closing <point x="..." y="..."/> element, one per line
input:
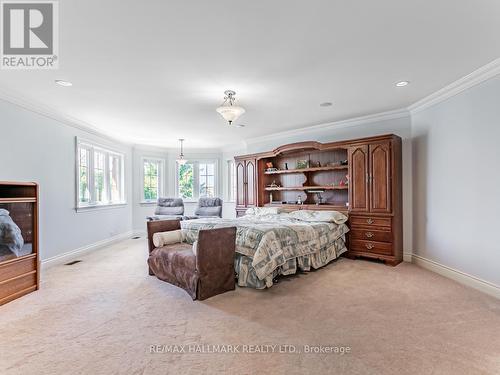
<point x="103" y="315"/>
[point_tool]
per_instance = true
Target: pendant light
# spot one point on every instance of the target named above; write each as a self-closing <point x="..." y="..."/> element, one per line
<point x="181" y="160"/>
<point x="228" y="110"/>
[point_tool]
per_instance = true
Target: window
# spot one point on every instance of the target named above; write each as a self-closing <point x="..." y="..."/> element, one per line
<point x="196" y="179"/>
<point x="99" y="176"/>
<point x="152" y="170"/>
<point x="185" y="180"/>
<point x="231" y="179"/>
<point x="207" y="179"/>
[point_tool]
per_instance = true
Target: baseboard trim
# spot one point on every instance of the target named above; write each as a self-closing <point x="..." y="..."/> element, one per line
<point x="74" y="254"/>
<point x="458" y="276"/>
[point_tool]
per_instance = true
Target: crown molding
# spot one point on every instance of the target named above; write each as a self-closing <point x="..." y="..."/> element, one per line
<point x="57" y="116"/>
<point x="476" y="77"/>
<point x="356" y="121"/>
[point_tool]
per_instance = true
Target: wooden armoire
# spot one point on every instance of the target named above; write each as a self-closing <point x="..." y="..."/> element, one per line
<point x="361" y="177"/>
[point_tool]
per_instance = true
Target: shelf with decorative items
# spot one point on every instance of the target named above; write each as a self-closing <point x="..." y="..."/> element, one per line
<point x="310" y="177"/>
<point x="305" y="188"/>
<point x="306" y="170"/>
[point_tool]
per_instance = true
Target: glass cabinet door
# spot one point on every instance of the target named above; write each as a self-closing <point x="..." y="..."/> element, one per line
<point x="16" y="229"/>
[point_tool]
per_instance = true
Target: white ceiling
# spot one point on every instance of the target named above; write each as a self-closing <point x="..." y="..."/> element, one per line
<point x="149" y="72"/>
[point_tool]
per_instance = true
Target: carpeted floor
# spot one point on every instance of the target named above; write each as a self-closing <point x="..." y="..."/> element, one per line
<point x="104" y="315"/>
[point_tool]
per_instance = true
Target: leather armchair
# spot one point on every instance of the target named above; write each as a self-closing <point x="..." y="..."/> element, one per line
<point x="202" y="275"/>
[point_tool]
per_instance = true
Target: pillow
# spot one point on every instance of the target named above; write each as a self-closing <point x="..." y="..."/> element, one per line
<point x="327" y="216"/>
<point x="262" y="211"/>
<point x="10" y="235"/>
<point x="167" y="238"/>
<point x="208" y="211"/>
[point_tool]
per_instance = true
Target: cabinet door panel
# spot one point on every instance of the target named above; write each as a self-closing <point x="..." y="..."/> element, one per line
<point x="358" y="189"/>
<point x="380" y="175"/>
<point x="240" y="183"/>
<point x="250" y="183"/>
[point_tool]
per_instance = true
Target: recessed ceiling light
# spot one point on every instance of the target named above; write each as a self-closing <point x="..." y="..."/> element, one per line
<point x="60" y="82"/>
<point x="402" y="83"/>
<point x="326" y="104"/>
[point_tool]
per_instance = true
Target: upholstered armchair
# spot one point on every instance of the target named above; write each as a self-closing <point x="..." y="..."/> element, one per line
<point x="168" y="208"/>
<point x="209" y="207"/>
<point x="202" y="270"/>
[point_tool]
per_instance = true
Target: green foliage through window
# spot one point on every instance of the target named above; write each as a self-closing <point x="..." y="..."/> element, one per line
<point x="151" y="179"/>
<point x="186" y="181"/>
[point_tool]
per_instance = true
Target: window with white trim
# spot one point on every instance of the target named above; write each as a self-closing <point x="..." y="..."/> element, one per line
<point x="152" y="179"/>
<point x="196" y="179"/>
<point x="100" y="176"/>
<point x="231" y="181"/>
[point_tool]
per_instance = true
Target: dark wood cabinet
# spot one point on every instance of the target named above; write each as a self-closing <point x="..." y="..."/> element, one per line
<point x="376" y="217"/>
<point x="359" y="175"/>
<point x="240" y="183"/>
<point x="371" y="195"/>
<point x="370" y="176"/>
<point x="380" y="175"/>
<point x="251" y="194"/>
<point x="246" y="184"/>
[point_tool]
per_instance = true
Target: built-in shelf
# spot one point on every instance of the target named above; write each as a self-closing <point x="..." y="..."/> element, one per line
<point x="309" y="206"/>
<point x="302" y="188"/>
<point x="17" y="200"/>
<point x="312" y="169"/>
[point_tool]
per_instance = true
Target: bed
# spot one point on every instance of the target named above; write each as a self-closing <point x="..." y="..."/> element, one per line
<point x="273" y="244"/>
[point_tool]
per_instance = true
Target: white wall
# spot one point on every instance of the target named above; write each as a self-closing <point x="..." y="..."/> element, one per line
<point x="40" y="149"/>
<point x="456" y="164"/>
<point x="344" y="131"/>
<point x="169" y="156"/>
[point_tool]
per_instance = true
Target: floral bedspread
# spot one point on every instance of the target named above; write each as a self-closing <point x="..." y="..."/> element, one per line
<point x="275" y="244"/>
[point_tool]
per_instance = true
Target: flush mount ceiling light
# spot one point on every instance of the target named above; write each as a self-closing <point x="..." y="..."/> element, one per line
<point x="60" y="82"/>
<point x="326" y="104"/>
<point x="228" y="110"/>
<point x="181" y="160"/>
<point x="402" y="83"/>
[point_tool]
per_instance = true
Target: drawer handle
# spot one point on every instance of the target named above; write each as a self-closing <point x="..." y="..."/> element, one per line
<point x="369" y="221"/>
<point x="369" y="246"/>
<point x="369" y="234"/>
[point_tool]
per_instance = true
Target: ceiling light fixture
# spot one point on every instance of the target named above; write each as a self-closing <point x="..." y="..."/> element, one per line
<point x="402" y="83"/>
<point x="181" y="160"/>
<point x="60" y="82"/>
<point x="326" y="104"/>
<point x="228" y="110"/>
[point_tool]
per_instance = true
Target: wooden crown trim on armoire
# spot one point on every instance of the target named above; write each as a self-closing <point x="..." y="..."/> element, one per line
<point x="19" y="252"/>
<point x="362" y="177"/>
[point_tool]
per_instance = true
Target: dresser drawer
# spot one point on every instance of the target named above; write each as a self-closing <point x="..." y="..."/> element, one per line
<point x="370" y="221"/>
<point x="17" y="285"/>
<point x="17" y="268"/>
<point x="375" y="247"/>
<point x="371" y="235"/>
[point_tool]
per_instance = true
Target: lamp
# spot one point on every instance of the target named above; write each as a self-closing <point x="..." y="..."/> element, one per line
<point x="228" y="110"/>
<point x="181" y="160"/>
